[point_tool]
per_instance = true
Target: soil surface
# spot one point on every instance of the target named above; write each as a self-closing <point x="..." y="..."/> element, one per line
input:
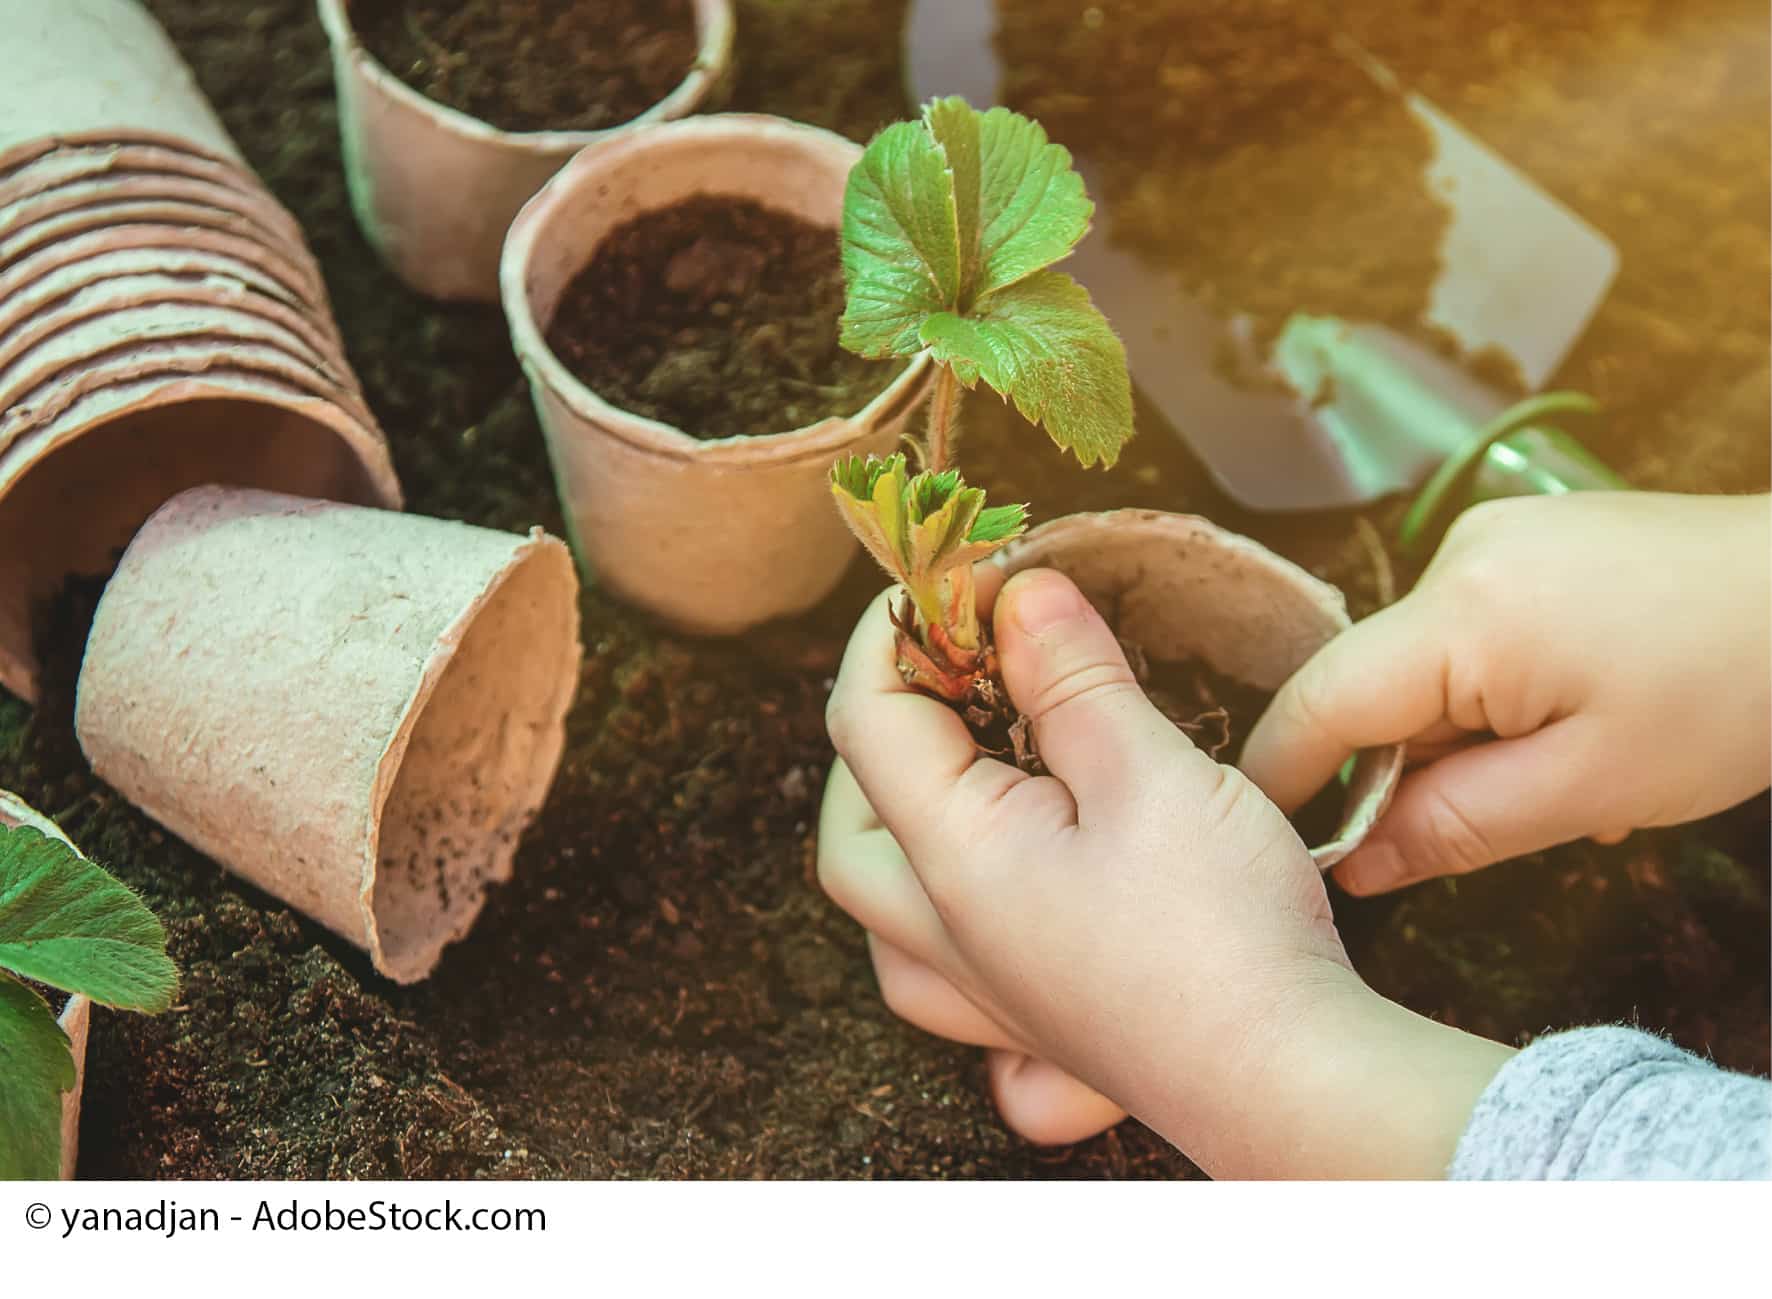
<point x="662" y="990"/>
<point x="535" y="65"/>
<point x="717" y="316"/>
<point x="1237" y="146"/>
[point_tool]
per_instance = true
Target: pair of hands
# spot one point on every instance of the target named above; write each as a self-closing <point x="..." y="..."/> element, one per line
<point x="1143" y="924"/>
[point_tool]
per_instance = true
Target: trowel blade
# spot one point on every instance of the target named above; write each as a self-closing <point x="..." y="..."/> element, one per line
<point x="1520" y="273"/>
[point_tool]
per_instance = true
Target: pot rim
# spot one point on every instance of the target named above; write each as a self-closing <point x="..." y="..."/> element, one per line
<point x="827" y="438"/>
<point x="715" y="26"/>
<point x="56" y="318"/>
<point x="20" y="158"/>
<point x="1377" y="771"/>
<point x="82" y="245"/>
<point x="264" y="213"/>
<point x="57" y="385"/>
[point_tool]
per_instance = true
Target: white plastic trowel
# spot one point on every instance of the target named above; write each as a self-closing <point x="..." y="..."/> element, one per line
<point x="1363" y="411"/>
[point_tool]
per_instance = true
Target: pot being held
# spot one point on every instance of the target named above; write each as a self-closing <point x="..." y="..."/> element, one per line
<point x="713" y="535"/>
<point x="1180" y="588"/>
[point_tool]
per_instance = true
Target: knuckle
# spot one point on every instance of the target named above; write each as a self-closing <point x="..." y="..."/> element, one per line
<point x="1450" y="839"/>
<point x="1081" y="683"/>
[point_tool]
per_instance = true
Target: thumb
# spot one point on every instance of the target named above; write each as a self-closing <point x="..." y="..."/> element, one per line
<point x="1483" y="805"/>
<point x="1066" y="672"/>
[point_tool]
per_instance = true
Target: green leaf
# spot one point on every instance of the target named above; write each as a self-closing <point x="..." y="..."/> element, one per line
<point x="901" y="242"/>
<point x="36" y="1067"/>
<point x="1042" y="344"/>
<point x="955" y="125"/>
<point x="66" y="922"/>
<point x="1020" y="206"/>
<point x="1032" y="206"/>
<point x="999" y="523"/>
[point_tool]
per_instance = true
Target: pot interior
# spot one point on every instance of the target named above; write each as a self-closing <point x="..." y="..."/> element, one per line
<point x="72" y="511"/>
<point x="477" y="764"/>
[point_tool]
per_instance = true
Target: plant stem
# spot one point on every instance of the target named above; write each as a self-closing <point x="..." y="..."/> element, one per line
<point x="943" y="406"/>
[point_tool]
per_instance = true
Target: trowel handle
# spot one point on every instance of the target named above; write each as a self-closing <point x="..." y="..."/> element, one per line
<point x="1518" y="453"/>
<point x="1541" y="461"/>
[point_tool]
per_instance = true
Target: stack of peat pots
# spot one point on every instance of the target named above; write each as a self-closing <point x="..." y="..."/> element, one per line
<point x="162" y="322"/>
<point x="358" y="710"/>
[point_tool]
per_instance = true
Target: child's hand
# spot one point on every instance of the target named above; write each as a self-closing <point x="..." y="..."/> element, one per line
<point x="1142" y="918"/>
<point x="1577" y="666"/>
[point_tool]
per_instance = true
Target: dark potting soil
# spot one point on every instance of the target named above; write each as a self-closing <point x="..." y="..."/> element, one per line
<point x="535" y="65"/>
<point x="718" y="316"/>
<point x="662" y="989"/>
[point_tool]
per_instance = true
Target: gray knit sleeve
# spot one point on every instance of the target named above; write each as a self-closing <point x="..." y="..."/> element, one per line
<point x="1614" y="1103"/>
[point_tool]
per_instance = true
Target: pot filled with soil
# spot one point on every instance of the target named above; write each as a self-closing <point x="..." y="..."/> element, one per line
<point x="73" y="1013"/>
<point x="673" y="296"/>
<point x="454" y="112"/>
<point x="1213" y="624"/>
<point x="357" y="710"/>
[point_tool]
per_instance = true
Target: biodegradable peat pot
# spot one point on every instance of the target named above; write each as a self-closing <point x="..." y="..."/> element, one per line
<point x="113" y="456"/>
<point x="42" y="214"/>
<point x="359" y="711"/>
<point x="713" y="536"/>
<point x="34" y="376"/>
<point x="300" y="282"/>
<point x="435" y="189"/>
<point x="42" y="231"/>
<point x="71" y="160"/>
<point x="66" y="158"/>
<point x="76" y="1016"/>
<point x="1180" y="587"/>
<point x="173" y="357"/>
<point x="119" y="293"/>
<point x="73" y="66"/>
<point x="195" y="267"/>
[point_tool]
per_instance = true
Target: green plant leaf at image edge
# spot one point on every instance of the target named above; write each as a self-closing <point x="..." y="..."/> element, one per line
<point x="36" y="1067"/>
<point x="67" y="922"/>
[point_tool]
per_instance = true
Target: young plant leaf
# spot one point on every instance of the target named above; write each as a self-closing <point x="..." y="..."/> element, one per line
<point x="36" y="1067"/>
<point x="1042" y="344"/>
<point x="67" y="922"/>
<point x="1021" y="205"/>
<point x="901" y="242"/>
<point x="920" y="529"/>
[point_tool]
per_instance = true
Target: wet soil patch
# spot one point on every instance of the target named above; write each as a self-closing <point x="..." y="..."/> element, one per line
<point x="535" y="65"/>
<point x="717" y="316"/>
<point x="662" y="989"/>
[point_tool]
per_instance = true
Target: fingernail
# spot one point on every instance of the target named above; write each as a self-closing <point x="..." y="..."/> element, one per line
<point x="1373" y="868"/>
<point x="1042" y="600"/>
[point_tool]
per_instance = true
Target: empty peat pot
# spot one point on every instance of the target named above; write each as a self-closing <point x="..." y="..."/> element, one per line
<point x="357" y="710"/>
<point x="434" y="189"/>
<point x="76" y="1016"/>
<point x="1180" y="588"/>
<point x="712" y="535"/>
<point x="70" y="66"/>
